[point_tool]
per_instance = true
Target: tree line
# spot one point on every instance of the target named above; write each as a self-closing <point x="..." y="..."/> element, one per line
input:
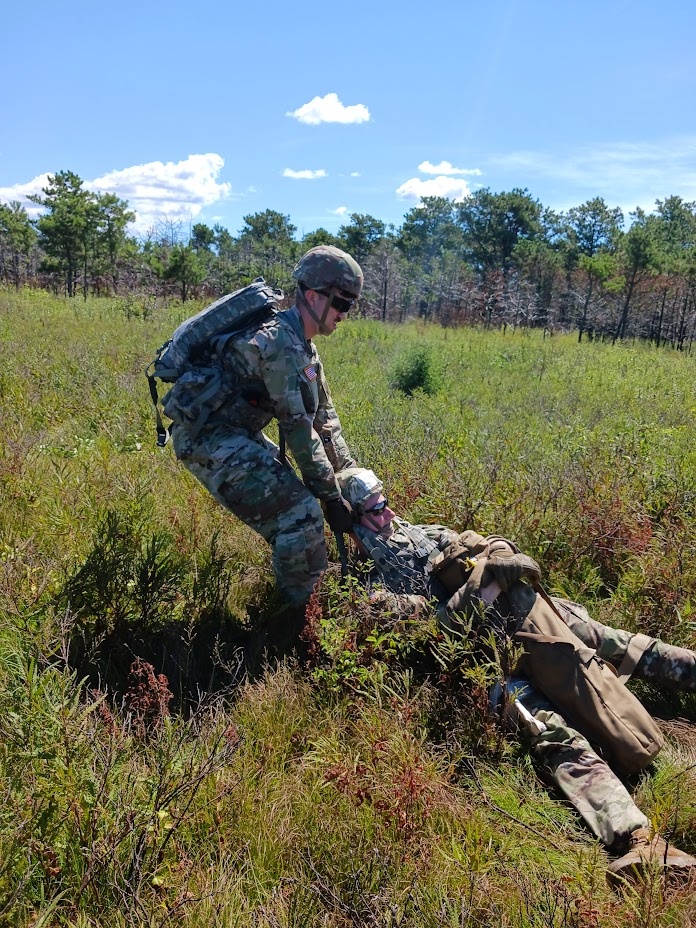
<point x="493" y="258"/>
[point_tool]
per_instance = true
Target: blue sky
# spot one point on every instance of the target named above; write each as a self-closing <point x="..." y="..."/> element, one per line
<point x="208" y="112"/>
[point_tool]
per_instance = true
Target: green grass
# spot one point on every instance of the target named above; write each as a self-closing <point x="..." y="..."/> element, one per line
<point x="368" y="791"/>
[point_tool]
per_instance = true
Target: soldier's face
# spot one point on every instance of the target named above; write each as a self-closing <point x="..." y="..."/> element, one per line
<point x="331" y="318"/>
<point x="377" y="516"/>
<point x="318" y="317"/>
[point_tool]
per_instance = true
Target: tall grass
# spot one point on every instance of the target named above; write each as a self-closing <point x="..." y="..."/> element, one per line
<point x="368" y="788"/>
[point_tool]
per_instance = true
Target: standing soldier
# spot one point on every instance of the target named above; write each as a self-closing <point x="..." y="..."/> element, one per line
<point x="278" y="375"/>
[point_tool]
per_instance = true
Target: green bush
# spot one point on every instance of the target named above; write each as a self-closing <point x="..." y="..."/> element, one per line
<point x="416" y="369"/>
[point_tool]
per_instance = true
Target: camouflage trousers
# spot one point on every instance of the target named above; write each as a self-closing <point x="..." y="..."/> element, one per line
<point x="567" y="757"/>
<point x="665" y="664"/>
<point x="587" y="781"/>
<point x="243" y="473"/>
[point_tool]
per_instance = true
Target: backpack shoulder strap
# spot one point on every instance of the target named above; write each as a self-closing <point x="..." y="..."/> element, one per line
<point x="163" y="433"/>
<point x="423" y="545"/>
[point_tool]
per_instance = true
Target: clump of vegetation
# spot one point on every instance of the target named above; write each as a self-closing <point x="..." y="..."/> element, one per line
<point x="416" y="369"/>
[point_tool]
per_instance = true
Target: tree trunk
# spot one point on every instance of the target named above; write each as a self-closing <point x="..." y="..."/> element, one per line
<point x="385" y="292"/>
<point x="660" y="321"/>
<point x="585" y="309"/>
<point x="623" y="321"/>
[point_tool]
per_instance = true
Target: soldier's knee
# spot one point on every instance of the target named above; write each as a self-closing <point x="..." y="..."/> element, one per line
<point x="668" y="666"/>
<point x="301" y="540"/>
<point x="299" y="551"/>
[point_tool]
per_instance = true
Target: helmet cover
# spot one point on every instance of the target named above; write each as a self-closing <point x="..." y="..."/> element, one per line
<point x="326" y="266"/>
<point x="358" y="484"/>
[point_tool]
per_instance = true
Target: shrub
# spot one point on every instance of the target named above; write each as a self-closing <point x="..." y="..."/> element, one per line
<point x="416" y="369"/>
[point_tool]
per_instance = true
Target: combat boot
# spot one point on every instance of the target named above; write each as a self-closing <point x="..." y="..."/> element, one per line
<point x="648" y="853"/>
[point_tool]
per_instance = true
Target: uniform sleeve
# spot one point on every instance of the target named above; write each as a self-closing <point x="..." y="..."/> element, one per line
<point x="283" y="367"/>
<point x="439" y="534"/>
<point x="328" y="426"/>
<point x="402" y="604"/>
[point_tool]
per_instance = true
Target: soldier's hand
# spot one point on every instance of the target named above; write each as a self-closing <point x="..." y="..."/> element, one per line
<point x="339" y="515"/>
<point x="507" y="566"/>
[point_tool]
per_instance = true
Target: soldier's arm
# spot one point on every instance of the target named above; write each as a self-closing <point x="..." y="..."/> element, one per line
<point x="402" y="604"/>
<point x="294" y="399"/>
<point x="328" y="426"/>
<point x="439" y="534"/>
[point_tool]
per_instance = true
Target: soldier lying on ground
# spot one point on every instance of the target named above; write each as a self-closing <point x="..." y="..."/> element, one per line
<point x="403" y="557"/>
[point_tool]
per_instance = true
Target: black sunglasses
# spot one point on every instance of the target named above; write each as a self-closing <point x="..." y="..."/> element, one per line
<point x="341" y="303"/>
<point x="379" y="507"/>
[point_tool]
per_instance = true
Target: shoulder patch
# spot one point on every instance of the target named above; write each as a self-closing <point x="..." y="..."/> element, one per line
<point x="310" y="372"/>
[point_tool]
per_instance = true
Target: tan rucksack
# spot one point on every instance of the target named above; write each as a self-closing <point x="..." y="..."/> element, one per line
<point x="583" y="688"/>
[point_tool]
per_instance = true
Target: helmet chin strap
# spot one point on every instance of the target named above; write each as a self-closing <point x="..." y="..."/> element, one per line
<point x="320" y="320"/>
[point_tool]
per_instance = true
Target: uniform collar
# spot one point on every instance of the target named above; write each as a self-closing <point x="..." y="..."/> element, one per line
<point x="295" y="319"/>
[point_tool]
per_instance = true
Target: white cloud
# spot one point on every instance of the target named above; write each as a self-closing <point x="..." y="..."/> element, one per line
<point x="177" y="191"/>
<point x="304" y="175"/>
<point x="442" y="186"/>
<point x="444" y="167"/>
<point x="330" y="109"/>
<point x="625" y="174"/>
<point x="355" y="174"/>
<point x="339" y="211"/>
<point x="20" y="192"/>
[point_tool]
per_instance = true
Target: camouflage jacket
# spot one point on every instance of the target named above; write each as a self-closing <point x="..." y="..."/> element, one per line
<point x="402" y="562"/>
<point x="271" y="371"/>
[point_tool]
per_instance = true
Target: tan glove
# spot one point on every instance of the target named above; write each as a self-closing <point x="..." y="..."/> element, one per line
<point x="506" y="564"/>
<point x="474" y="543"/>
<point x="467" y="599"/>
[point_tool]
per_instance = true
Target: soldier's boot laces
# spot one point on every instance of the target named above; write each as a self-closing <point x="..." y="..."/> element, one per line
<point x="650" y="853"/>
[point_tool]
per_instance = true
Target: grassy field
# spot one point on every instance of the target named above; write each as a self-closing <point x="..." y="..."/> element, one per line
<point x="146" y="780"/>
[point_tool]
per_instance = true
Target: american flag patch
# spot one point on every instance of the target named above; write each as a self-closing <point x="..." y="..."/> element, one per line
<point x="310" y="372"/>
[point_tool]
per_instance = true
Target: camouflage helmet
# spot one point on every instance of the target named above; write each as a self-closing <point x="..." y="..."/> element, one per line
<point x="326" y="266"/>
<point x="358" y="484"/>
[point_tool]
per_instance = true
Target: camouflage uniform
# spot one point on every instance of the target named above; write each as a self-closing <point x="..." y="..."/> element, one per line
<point x="402" y="561"/>
<point x="665" y="664"/>
<point x="566" y="757"/>
<point x="564" y="754"/>
<point x="278" y="374"/>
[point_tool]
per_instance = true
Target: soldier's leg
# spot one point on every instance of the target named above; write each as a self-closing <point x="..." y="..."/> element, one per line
<point x="299" y="549"/>
<point x="661" y="663"/>
<point x="668" y="665"/>
<point x="587" y="781"/>
<point x="245" y="477"/>
<point x="609" y="643"/>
